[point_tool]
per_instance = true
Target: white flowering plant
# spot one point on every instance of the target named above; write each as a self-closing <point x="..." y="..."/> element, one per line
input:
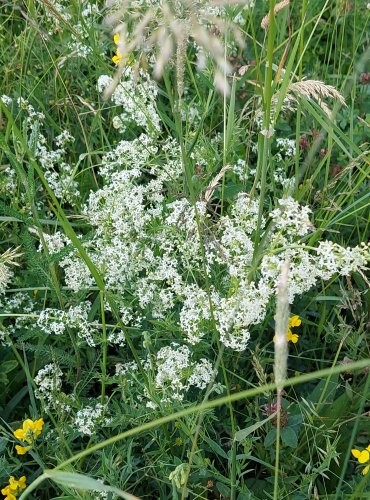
<point x="183" y="272"/>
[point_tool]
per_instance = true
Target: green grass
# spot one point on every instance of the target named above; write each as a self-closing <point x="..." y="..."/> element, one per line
<point x="228" y="439"/>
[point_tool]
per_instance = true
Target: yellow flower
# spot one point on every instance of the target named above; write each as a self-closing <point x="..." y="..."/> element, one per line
<point x="363" y="457"/>
<point x="14" y="487"/>
<point x="30" y="430"/>
<point x="293" y="321"/>
<point x="292" y="337"/>
<point x="117" y="58"/>
<point x="22" y="450"/>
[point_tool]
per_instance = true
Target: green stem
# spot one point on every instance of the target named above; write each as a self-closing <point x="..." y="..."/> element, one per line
<point x="264" y="139"/>
<point x="277" y="448"/>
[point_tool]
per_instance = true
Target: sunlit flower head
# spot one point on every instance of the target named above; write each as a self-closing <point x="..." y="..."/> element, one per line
<point x="14" y="487"/>
<point x="30" y="430"/>
<point x="293" y="322"/>
<point x="22" y="450"/>
<point x="117" y="58"/>
<point x="363" y="457"/>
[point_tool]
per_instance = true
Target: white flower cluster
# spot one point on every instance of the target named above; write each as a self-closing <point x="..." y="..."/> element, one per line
<point x="292" y="218"/>
<point x="281" y="178"/>
<point x="234" y="314"/>
<point x="49" y="383"/>
<point x="177" y="372"/>
<point x="142" y="247"/>
<point x="80" y="42"/>
<point x="287" y="147"/>
<point x="117" y="337"/>
<point x="13" y="303"/>
<point x="55" y="22"/>
<point x="241" y="169"/>
<point x="88" y="418"/>
<point x="55" y="321"/>
<point x="58" y="173"/>
<point x="121" y="370"/>
<point x="137" y="98"/>
<point x="153" y="248"/>
<point x="54" y="242"/>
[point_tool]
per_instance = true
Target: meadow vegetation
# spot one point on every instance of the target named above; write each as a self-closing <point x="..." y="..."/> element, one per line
<point x="184" y="223"/>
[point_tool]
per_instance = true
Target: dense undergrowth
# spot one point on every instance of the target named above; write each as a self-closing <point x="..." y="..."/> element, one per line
<point x="184" y="195"/>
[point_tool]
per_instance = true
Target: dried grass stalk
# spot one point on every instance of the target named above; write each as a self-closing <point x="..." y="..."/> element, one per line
<point x="214" y="183"/>
<point x="281" y="326"/>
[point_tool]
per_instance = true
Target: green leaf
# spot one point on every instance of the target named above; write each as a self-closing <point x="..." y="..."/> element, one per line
<point x="82" y="482"/>
<point x="270" y="438"/>
<point x="3" y="444"/>
<point x="216" y="447"/>
<point x="231" y="190"/>
<point x="289" y="437"/>
<point x="8" y="366"/>
<point x="243" y="433"/>
<point x="223" y="489"/>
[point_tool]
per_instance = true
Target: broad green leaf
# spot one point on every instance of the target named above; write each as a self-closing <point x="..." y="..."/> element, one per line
<point x="270" y="438"/>
<point x="289" y="437"/>
<point x="8" y="366"/>
<point x="223" y="489"/>
<point x="82" y="482"/>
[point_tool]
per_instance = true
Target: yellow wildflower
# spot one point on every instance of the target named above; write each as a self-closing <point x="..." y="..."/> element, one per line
<point x="118" y="57"/>
<point x="14" y="487"/>
<point x="363" y="457"/>
<point x="22" y="450"/>
<point x="30" y="430"/>
<point x="293" y="321"/>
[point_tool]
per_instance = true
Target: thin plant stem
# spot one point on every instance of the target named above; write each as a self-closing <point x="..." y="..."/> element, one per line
<point x="277" y="445"/>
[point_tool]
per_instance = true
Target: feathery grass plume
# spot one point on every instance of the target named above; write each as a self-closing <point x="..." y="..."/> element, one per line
<point x="166" y="28"/>
<point x="305" y="89"/>
<point x="214" y="183"/>
<point x="278" y="7"/>
<point x="281" y="326"/>
<point x="7" y="259"/>
<point x="315" y="89"/>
